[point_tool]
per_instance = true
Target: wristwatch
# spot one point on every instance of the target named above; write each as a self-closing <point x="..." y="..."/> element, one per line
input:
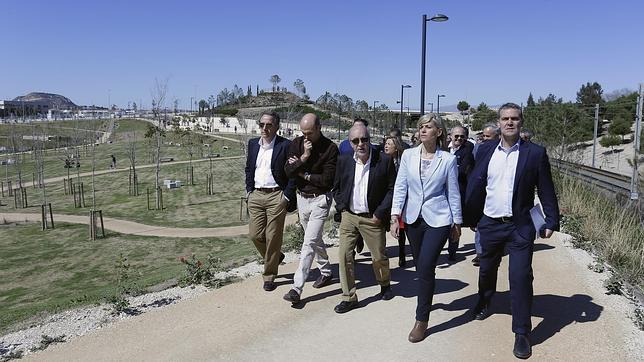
<point x="307" y="176"/>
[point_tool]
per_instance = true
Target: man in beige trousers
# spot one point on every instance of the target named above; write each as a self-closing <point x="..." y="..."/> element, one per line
<point x="270" y="194"/>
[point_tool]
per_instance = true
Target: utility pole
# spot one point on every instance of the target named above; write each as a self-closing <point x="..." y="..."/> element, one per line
<point x="595" y="133"/>
<point x="636" y="154"/>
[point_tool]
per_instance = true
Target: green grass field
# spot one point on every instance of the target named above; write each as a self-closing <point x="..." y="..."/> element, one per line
<point x="46" y="272"/>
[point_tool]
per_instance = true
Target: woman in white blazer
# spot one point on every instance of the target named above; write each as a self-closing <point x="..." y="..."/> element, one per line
<point x="427" y="198"/>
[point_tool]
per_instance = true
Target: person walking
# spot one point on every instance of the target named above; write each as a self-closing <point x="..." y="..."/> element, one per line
<point x="311" y="162"/>
<point x="463" y="150"/>
<point x="269" y="193"/>
<point x="500" y="195"/>
<point x="394" y="148"/>
<point x="427" y="198"/>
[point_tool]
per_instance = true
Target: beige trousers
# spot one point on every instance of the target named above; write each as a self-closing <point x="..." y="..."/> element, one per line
<point x="266" y="227"/>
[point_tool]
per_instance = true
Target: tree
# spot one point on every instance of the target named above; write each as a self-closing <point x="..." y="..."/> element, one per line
<point x="620" y="126"/>
<point x="482" y="116"/>
<point x="134" y="106"/>
<point x="462" y="106"/>
<point x="212" y="101"/>
<point x="299" y="86"/>
<point x="202" y="106"/>
<point x="275" y="79"/>
<point x="530" y="102"/>
<point x="159" y="91"/>
<point x="610" y="141"/>
<point x="590" y="94"/>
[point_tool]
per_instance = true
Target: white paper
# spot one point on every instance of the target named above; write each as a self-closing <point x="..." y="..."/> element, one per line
<point x="538" y="219"/>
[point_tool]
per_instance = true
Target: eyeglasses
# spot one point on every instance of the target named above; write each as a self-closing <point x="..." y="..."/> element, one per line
<point x="457" y="136"/>
<point x="267" y="125"/>
<point x="505" y="119"/>
<point x="356" y="141"/>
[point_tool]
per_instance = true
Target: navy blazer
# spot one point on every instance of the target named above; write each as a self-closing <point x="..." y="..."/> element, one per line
<point x="280" y="150"/>
<point x="380" y="187"/>
<point x="533" y="171"/>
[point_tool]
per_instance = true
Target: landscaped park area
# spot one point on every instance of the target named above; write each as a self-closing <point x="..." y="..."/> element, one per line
<point x="45" y="271"/>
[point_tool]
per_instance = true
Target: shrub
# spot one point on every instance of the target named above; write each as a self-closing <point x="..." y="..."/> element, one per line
<point x="293" y="237"/>
<point x="198" y="272"/>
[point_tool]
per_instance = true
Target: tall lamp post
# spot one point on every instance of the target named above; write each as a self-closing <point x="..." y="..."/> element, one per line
<point x="437" y="18"/>
<point x="374" y="114"/>
<point x="402" y="93"/>
<point x="438" y="103"/>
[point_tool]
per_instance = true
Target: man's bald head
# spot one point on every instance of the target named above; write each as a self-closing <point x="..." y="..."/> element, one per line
<point x="310" y="127"/>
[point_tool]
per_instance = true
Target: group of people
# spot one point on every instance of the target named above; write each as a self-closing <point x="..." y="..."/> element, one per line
<point x="426" y="192"/>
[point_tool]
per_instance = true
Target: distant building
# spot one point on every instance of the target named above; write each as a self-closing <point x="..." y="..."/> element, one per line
<point x="23" y="108"/>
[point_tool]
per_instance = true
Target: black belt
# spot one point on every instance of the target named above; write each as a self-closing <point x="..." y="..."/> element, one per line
<point x="502" y="219"/>
<point x="362" y="214"/>
<point x="306" y="195"/>
<point x="267" y="189"/>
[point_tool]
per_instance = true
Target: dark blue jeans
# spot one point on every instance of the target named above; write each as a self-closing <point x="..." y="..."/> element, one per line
<point x="495" y="237"/>
<point x="426" y="245"/>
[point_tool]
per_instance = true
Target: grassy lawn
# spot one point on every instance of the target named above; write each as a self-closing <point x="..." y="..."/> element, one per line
<point x="187" y="206"/>
<point x="125" y="129"/>
<point x="46" y="272"/>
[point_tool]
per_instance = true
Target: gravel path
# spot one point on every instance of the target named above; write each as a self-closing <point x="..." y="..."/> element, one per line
<point x="573" y="319"/>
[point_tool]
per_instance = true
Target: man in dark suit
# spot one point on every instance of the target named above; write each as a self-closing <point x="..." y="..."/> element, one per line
<point x="363" y="189"/>
<point x="269" y="193"/>
<point x="462" y="149"/>
<point x="500" y="194"/>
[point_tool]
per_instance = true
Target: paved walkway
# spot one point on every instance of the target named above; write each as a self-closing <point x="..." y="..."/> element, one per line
<point x="573" y="320"/>
<point x="133" y="228"/>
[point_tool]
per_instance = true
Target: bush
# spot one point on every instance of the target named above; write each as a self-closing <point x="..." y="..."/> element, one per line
<point x="301" y="109"/>
<point x="230" y="112"/>
<point x="293" y="237"/>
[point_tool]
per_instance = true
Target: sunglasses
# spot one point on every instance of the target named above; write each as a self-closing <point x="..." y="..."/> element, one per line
<point x="457" y="136"/>
<point x="356" y="141"/>
<point x="267" y="125"/>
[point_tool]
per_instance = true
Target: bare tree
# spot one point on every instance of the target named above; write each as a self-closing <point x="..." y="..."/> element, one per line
<point x="158" y="93"/>
<point x="131" y="155"/>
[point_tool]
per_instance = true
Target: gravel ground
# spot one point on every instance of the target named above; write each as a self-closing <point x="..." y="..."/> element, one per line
<point x="77" y="322"/>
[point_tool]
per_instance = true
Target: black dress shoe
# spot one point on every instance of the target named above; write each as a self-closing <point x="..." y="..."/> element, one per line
<point x="323" y="281"/>
<point x="386" y="293"/>
<point x="451" y="257"/>
<point x="269" y="286"/>
<point x="344" y="306"/>
<point x="481" y="312"/>
<point x="476" y="261"/>
<point x="292" y="296"/>
<point x="522" y="348"/>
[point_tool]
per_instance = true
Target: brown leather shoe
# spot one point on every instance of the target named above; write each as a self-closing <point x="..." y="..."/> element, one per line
<point x="417" y="333"/>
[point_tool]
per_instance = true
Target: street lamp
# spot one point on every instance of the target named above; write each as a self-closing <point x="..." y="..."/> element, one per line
<point x="402" y="93"/>
<point x="438" y="18"/>
<point x="431" y="109"/>
<point x="438" y="103"/>
<point x="374" y="113"/>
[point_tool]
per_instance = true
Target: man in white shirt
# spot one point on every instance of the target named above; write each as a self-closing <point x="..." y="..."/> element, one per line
<point x="270" y="193"/>
<point x="363" y="190"/>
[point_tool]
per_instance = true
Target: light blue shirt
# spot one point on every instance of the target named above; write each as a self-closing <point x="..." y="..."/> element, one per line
<point x="500" y="181"/>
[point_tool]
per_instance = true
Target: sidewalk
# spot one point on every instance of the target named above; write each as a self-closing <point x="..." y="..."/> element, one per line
<point x="573" y="319"/>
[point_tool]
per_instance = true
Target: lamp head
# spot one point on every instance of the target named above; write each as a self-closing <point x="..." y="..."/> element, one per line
<point x="439" y="18"/>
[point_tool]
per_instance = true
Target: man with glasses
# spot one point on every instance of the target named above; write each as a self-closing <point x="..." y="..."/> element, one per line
<point x="462" y="149"/>
<point x="269" y="193"/>
<point x="363" y="190"/>
<point x="500" y="195"/>
<point x="311" y="162"/>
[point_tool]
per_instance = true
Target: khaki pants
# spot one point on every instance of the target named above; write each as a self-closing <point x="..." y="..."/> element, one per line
<point x="266" y="228"/>
<point x="374" y="237"/>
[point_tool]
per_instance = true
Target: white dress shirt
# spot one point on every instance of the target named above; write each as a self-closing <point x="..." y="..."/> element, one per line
<point x="263" y="174"/>
<point x="500" y="181"/>
<point x="359" y="203"/>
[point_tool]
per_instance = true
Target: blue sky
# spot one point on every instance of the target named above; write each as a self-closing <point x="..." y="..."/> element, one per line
<point x="489" y="51"/>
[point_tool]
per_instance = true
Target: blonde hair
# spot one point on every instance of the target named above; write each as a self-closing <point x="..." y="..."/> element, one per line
<point x="441" y="141"/>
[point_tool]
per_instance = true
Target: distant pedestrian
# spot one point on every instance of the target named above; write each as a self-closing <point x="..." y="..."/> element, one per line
<point x="526" y="134"/>
<point x="312" y="162"/>
<point x="113" y="164"/>
<point x="462" y="149"/>
<point x="394" y="149"/>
